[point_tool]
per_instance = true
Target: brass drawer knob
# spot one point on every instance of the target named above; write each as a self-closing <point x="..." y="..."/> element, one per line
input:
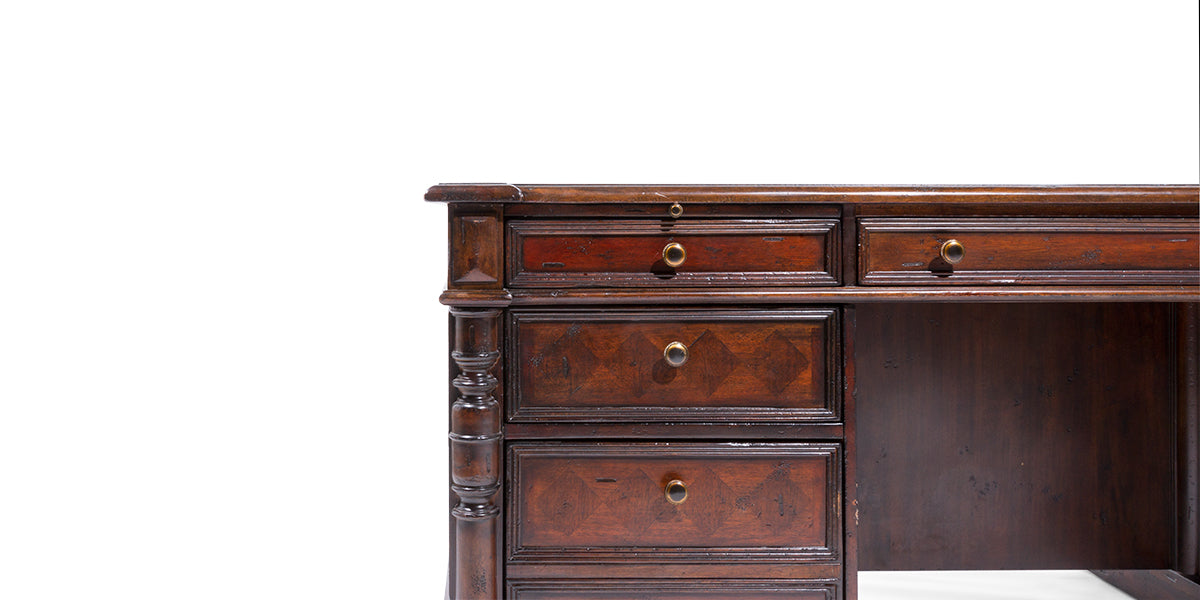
<point x="953" y="251"/>
<point x="676" y="491"/>
<point x="675" y="354"/>
<point x="676" y="210"/>
<point x="674" y="254"/>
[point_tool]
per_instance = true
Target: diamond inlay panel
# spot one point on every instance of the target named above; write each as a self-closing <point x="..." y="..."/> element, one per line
<point x="758" y="365"/>
<point x="597" y="498"/>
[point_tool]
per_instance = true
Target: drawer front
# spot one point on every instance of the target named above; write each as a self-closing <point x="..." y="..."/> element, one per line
<point x="1010" y="251"/>
<point x="659" y="589"/>
<point x="740" y="502"/>
<point x="780" y="365"/>
<point x="596" y="253"/>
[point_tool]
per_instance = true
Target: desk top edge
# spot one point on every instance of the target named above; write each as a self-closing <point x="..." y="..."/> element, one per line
<point x="493" y="193"/>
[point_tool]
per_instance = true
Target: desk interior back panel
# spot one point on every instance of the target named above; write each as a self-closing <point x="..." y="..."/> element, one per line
<point x="1006" y="436"/>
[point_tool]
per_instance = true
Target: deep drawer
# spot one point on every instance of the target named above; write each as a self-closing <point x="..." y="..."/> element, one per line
<point x="606" y="253"/>
<point x="609" y="502"/>
<point x="743" y="366"/>
<point x="1010" y="251"/>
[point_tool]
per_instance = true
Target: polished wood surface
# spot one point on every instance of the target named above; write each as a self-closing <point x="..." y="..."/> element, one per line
<point x="1014" y="436"/>
<point x="565" y="254"/>
<point x="833" y="398"/>
<point x="657" y="589"/>
<point x="609" y="366"/>
<point x="811" y="194"/>
<point x="607" y="502"/>
<point x="1015" y="251"/>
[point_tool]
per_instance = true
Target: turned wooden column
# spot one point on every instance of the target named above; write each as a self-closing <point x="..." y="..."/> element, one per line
<point x="475" y="450"/>
<point x="476" y="296"/>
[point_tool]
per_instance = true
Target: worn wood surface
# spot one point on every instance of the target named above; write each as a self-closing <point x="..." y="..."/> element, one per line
<point x="475" y="456"/>
<point x="570" y="253"/>
<point x="961" y="420"/>
<point x="577" y="502"/>
<point x="678" y="589"/>
<point x="742" y="366"/>
<point x="1187" y="438"/>
<point x="813" y="194"/>
<point x="1026" y="251"/>
<point x="855" y="295"/>
<point x="1014" y="436"/>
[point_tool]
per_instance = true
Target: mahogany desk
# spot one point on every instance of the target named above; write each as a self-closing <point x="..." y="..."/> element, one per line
<point x="752" y="392"/>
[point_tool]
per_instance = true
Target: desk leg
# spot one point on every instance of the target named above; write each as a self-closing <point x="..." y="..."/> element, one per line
<point x="1187" y="337"/>
<point x="850" y="483"/>
<point x="475" y="450"/>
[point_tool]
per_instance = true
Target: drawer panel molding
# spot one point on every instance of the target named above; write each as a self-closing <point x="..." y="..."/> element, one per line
<point x="597" y="502"/>
<point x="611" y="366"/>
<point x="673" y="589"/>
<point x="724" y="252"/>
<point x="1030" y="251"/>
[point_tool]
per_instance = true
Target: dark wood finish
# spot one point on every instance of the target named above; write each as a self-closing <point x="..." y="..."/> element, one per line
<point x="850" y="477"/>
<point x="1030" y="209"/>
<point x="475" y="454"/>
<point x="477" y="247"/>
<point x="676" y="431"/>
<point x="856" y="295"/>
<point x="814" y="194"/>
<point x="1014" y="436"/>
<point x="679" y="589"/>
<point x="1187" y="439"/>
<point x="569" y="253"/>
<point x="663" y="211"/>
<point x="678" y="570"/>
<point x="606" y="503"/>
<point x="1027" y="251"/>
<point x="1034" y="406"/>
<point x="1159" y="584"/>
<point x="609" y="366"/>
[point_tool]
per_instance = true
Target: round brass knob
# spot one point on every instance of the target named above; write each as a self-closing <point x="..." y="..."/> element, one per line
<point x="675" y="354"/>
<point x="675" y="211"/>
<point x="674" y="254"/>
<point x="953" y="251"/>
<point x="676" y="491"/>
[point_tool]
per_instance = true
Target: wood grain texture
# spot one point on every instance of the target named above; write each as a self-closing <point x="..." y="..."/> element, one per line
<point x="1187" y="438"/>
<point x="677" y="589"/>
<point x="856" y="295"/>
<point x="476" y="247"/>
<point x="1014" y="436"/>
<point x="1028" y="251"/>
<point x="742" y="366"/>
<point x="1032" y="407"/>
<point x="850" y="419"/>
<point x="815" y="194"/>
<point x="705" y="430"/>
<point x="475" y="456"/>
<point x="595" y="253"/>
<point x="575" y="502"/>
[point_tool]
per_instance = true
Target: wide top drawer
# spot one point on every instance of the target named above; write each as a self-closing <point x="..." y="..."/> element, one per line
<point x="1008" y="251"/>
<point x="658" y="253"/>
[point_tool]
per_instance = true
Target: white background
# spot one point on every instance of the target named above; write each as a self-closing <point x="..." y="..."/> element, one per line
<point x="222" y="361"/>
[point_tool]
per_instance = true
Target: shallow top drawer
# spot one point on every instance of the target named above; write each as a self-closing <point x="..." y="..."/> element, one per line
<point x="654" y="253"/>
<point x="1033" y="251"/>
